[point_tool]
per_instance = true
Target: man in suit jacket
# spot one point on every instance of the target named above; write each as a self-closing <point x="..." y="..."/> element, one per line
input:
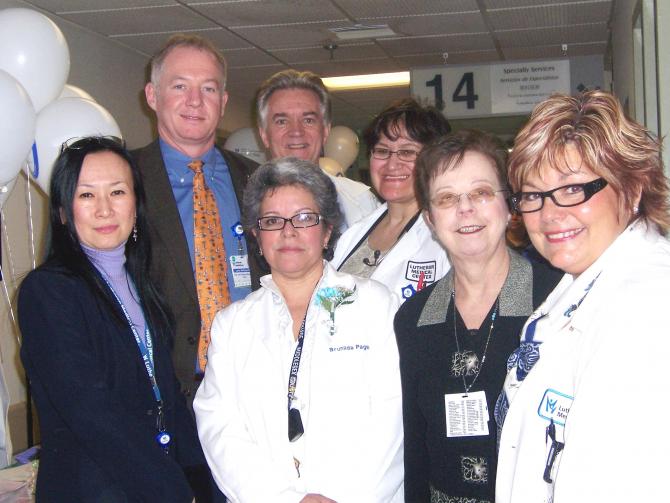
<point x="187" y="92"/>
<point x="293" y="112"/>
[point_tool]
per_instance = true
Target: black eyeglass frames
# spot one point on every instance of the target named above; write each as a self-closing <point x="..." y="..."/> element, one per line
<point x="573" y="194"/>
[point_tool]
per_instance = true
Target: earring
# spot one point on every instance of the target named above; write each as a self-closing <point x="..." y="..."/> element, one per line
<point x="135" y="233"/>
<point x="636" y="210"/>
<point x="260" y="252"/>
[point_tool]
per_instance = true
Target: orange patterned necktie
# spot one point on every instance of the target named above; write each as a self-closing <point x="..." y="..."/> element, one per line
<point x="210" y="259"/>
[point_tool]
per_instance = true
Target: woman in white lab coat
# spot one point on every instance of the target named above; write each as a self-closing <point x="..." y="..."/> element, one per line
<point x="393" y="244"/>
<point x="301" y="398"/>
<point x="587" y="387"/>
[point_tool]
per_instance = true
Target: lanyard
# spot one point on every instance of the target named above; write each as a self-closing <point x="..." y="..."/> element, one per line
<point x="146" y="350"/>
<point x="163" y="438"/>
<point x="295" y="364"/>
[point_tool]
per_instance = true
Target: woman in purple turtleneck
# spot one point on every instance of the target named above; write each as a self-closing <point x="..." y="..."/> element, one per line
<point x="113" y="424"/>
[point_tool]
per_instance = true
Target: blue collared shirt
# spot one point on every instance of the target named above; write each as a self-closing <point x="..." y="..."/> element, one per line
<point x="217" y="178"/>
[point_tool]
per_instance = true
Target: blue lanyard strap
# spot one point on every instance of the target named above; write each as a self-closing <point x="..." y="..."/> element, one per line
<point x="163" y="438"/>
<point x="146" y="350"/>
<point x="295" y="364"/>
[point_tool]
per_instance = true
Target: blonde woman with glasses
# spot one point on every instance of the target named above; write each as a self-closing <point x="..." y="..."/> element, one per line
<point x="588" y="387"/>
<point x="454" y="337"/>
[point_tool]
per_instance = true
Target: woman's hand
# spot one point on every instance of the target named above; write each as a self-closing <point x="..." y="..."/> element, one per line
<point x="316" y="498"/>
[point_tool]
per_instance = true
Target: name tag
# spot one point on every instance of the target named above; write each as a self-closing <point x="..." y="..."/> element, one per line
<point x="467" y="415"/>
<point x="239" y="267"/>
<point x="555" y="405"/>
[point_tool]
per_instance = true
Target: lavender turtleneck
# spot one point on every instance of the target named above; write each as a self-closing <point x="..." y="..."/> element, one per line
<point x="111" y="264"/>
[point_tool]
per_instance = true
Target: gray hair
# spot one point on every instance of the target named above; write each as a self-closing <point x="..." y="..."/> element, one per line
<point x="290" y="171"/>
<point x="292" y="79"/>
<point x="188" y="41"/>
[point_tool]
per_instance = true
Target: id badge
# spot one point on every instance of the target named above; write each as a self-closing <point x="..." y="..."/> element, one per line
<point x="467" y="415"/>
<point x="239" y="266"/>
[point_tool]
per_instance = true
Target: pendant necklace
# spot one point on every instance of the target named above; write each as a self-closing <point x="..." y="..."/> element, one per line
<point x="494" y="315"/>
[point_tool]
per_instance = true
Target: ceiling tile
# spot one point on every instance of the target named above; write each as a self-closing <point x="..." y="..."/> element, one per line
<point x="151" y="43"/>
<point x="419" y="25"/>
<point x="437" y="44"/>
<point x="141" y="20"/>
<point x="319" y="54"/>
<point x="57" y="6"/>
<point x="289" y="35"/>
<point x="375" y="8"/>
<point x="549" y="15"/>
<point x="506" y="4"/>
<point x="267" y="12"/>
<point x="566" y="34"/>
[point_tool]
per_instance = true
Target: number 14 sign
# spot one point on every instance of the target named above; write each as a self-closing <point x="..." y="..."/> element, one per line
<point x="485" y="90"/>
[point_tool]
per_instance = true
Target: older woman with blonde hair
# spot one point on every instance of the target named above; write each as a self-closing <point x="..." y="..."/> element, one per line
<point x="583" y="388"/>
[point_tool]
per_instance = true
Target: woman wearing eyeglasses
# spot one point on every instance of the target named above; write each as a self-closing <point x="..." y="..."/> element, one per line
<point x="454" y="337"/>
<point x="588" y="386"/>
<point x="393" y="245"/>
<point x="113" y="424"/>
<point x="301" y="398"/>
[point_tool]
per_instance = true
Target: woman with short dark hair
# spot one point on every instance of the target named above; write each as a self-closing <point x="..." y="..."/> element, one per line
<point x="393" y="245"/>
<point x="113" y="423"/>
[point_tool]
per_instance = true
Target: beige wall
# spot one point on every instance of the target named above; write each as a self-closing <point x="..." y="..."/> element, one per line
<point x="114" y="75"/>
<point x="663" y="36"/>
<point x="623" y="84"/>
<point x="622" y="61"/>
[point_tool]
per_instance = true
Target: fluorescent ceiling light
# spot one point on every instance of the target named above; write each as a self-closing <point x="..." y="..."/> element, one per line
<point x="374" y="80"/>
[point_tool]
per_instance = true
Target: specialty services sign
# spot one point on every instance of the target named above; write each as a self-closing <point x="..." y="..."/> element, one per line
<point x="491" y="89"/>
<point x="518" y="87"/>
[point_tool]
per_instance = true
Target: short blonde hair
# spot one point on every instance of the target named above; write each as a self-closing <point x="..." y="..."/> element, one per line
<point x="612" y="146"/>
<point x="188" y="41"/>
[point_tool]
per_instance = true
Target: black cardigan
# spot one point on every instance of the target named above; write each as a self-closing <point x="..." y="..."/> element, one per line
<point x="425" y="333"/>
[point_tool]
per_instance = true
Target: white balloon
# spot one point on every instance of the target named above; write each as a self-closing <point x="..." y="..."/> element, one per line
<point x="342" y="145"/>
<point x="34" y="51"/>
<point x="245" y="142"/>
<point x="17" y="126"/>
<point x="5" y="190"/>
<point x="62" y="120"/>
<point x="70" y="91"/>
<point x="331" y="166"/>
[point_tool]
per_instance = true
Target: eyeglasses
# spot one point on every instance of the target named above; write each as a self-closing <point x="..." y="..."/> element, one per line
<point x="80" y="142"/>
<point x="564" y="196"/>
<point x="407" y="155"/>
<point x="482" y="195"/>
<point x="299" y="221"/>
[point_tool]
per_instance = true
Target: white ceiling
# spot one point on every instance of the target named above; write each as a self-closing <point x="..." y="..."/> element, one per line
<point x="260" y="37"/>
